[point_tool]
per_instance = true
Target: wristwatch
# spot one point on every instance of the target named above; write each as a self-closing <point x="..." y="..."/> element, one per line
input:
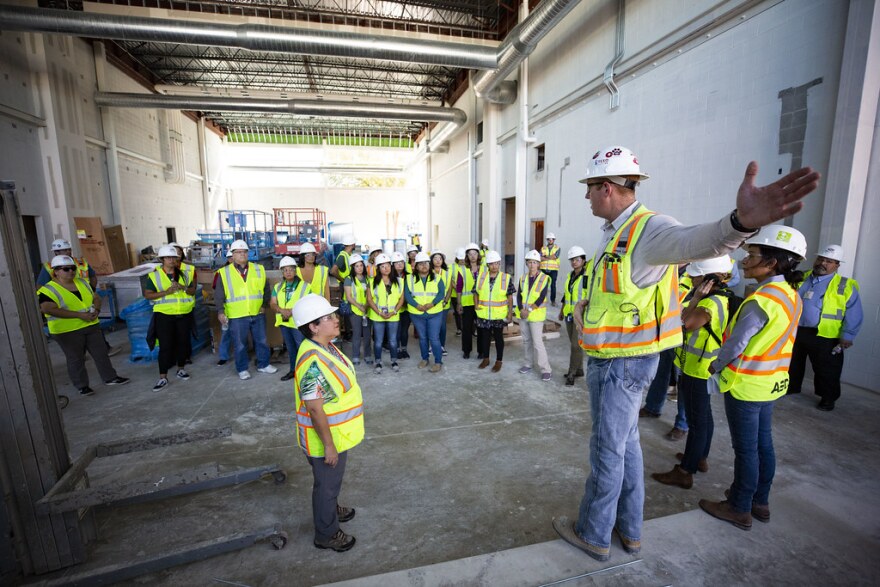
<point x="737" y="225"/>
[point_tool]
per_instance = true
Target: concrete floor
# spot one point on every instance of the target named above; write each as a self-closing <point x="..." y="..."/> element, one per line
<point x="470" y="464"/>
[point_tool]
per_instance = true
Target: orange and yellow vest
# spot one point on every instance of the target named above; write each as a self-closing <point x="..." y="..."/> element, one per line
<point x="530" y="297"/>
<point x="553" y="263"/>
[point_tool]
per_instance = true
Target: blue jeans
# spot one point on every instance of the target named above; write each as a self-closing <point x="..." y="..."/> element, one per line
<point x="693" y="395"/>
<point x="657" y="392"/>
<point x="615" y="490"/>
<point x="239" y="327"/>
<point x="428" y="327"/>
<point x="292" y="339"/>
<point x="379" y="329"/>
<point x="754" y="463"/>
<point x="225" y="345"/>
<point x="444" y="314"/>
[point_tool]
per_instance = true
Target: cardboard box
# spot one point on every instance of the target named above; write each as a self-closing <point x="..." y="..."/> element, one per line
<point x="103" y="247"/>
<point x="115" y="243"/>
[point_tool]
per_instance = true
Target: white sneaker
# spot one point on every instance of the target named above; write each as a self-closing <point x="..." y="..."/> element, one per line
<point x="268" y="369"/>
<point x="244" y="375"/>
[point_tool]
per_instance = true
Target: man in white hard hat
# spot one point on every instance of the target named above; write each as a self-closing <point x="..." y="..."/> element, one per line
<point x="241" y="300"/>
<point x="828" y="326"/>
<point x="631" y="313"/>
<point x="61" y="246"/>
<point x="550" y="264"/>
<point x="341" y="268"/>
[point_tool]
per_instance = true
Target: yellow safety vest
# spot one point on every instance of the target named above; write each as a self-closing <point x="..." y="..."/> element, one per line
<point x="385" y="301"/>
<point x="622" y="319"/>
<point x="319" y="279"/>
<point x="343" y="273"/>
<point x="65" y="300"/>
<point x="423" y="293"/>
<point x="685" y="284"/>
<point x="492" y="296"/>
<point x="359" y="291"/>
<point x="175" y="304"/>
<point x="447" y="276"/>
<point x="243" y="298"/>
<point x="700" y="348"/>
<point x="288" y="300"/>
<point x="453" y="282"/>
<point x="839" y="291"/>
<point x="573" y="293"/>
<point x="82" y="268"/>
<point x="760" y="372"/>
<point x="553" y="264"/>
<point x="345" y="412"/>
<point x="530" y="297"/>
<point x="469" y="284"/>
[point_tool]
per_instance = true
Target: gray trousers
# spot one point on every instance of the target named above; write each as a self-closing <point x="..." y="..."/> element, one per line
<point x="360" y="338"/>
<point x="75" y="344"/>
<point x="533" y="344"/>
<point x="576" y="355"/>
<point x="325" y="492"/>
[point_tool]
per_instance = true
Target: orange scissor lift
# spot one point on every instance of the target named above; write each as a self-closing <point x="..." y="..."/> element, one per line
<point x="296" y="226"/>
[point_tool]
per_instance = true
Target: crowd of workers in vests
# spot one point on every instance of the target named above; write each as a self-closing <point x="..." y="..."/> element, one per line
<point x="625" y="306"/>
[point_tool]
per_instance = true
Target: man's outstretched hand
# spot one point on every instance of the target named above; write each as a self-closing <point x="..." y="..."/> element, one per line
<point x="760" y="206"/>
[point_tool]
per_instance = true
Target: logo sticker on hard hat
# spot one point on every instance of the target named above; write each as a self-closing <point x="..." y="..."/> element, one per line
<point x="596" y="155"/>
<point x="783" y="236"/>
<point x="613" y="152"/>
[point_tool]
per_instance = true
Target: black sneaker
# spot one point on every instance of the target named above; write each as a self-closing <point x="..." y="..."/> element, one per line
<point x="181" y="374"/>
<point x="445" y="353"/>
<point x="395" y="367"/>
<point x="378" y="369"/>
<point x="118" y="381"/>
<point x="86" y="391"/>
<point x="160" y="385"/>
<point x="222" y="362"/>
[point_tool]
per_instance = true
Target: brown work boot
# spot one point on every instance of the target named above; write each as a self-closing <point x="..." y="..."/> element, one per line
<point x="676" y="434"/>
<point x="644" y="413"/>
<point x="345" y="514"/>
<point x="340" y="542"/>
<point x="496" y="367"/>
<point x="435" y="368"/>
<point x="630" y="546"/>
<point x="484" y="363"/>
<point x="677" y="477"/>
<point x="759" y="512"/>
<point x="702" y="466"/>
<point x="723" y="511"/>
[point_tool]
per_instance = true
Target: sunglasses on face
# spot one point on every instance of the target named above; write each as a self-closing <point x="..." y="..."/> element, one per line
<point x="65" y="269"/>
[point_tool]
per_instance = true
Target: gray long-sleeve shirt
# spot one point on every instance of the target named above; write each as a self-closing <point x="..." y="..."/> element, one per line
<point x="220" y="293"/>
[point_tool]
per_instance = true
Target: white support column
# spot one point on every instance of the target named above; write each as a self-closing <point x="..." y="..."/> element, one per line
<point x="109" y="129"/>
<point x="854" y="127"/>
<point x="203" y="167"/>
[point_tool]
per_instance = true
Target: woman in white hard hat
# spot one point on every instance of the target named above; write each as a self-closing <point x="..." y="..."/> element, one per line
<point x="531" y="309"/>
<point x="572" y="293"/>
<point x="356" y="294"/>
<point x="285" y="295"/>
<point x="424" y="293"/>
<point x="411" y="252"/>
<point x="454" y="300"/>
<point x="400" y="270"/>
<point x="172" y="295"/>
<point x="71" y="309"/>
<point x="447" y="275"/>
<point x="752" y="369"/>
<point x="704" y="320"/>
<point x="494" y="308"/>
<point x="371" y="261"/>
<point x="315" y="275"/>
<point x="62" y="247"/>
<point x="385" y="298"/>
<point x="329" y="416"/>
<point x="467" y="282"/>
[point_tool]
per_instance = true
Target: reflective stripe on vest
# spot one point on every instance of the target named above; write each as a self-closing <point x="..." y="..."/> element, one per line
<point x="65" y="300"/>
<point x="446" y="276"/>
<point x="492" y="296"/>
<point x="469" y="284"/>
<point x="530" y="294"/>
<point x="359" y="292"/>
<point x="345" y="412"/>
<point x="760" y="372"/>
<point x="82" y="268"/>
<point x="685" y="283"/>
<point x="837" y="294"/>
<point x="319" y="279"/>
<point x="243" y="298"/>
<point x="573" y="293"/>
<point x="386" y="302"/>
<point x="287" y="301"/>
<point x="553" y="264"/>
<point x="423" y="293"/>
<point x="343" y="273"/>
<point x="622" y="319"/>
<point x="700" y="348"/>
<point x="175" y="304"/>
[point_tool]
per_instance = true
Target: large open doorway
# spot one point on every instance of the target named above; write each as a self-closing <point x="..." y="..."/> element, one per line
<point x="508" y="234"/>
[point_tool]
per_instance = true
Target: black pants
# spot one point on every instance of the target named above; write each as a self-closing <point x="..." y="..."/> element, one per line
<point x="175" y="344"/>
<point x="826" y="367"/>
<point x="403" y="331"/>
<point x="468" y="322"/>
<point x="325" y="493"/>
<point x="75" y="344"/>
<point x="701" y="425"/>
<point x="457" y="317"/>
<point x="552" y="275"/>
<point x="483" y="336"/>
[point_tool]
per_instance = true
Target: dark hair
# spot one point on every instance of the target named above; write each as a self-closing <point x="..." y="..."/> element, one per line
<point x="442" y="265"/>
<point x="786" y="264"/>
<point x="306" y="331"/>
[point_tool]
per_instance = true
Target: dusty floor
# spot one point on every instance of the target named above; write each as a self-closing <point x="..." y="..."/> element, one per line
<point x="455" y="465"/>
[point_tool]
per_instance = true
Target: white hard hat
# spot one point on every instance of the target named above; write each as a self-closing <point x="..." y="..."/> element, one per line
<point x="307" y="248"/>
<point x="228" y="253"/>
<point x="287" y="262"/>
<point x="62" y="261"/>
<point x="611" y="164"/>
<point x="422" y="257"/>
<point x="782" y="237"/>
<point x="311" y="307"/>
<point x="412" y="249"/>
<point x="473" y="246"/>
<point x="355" y="259"/>
<point x="168" y="251"/>
<point x="238" y="246"/>
<point x="438" y="252"/>
<point x="533" y="255"/>
<point x="60" y="244"/>
<point x="722" y="264"/>
<point x="173" y="244"/>
<point x="398" y="257"/>
<point x="551" y="235"/>
<point x="485" y="242"/>
<point x="833" y="252"/>
<point x="493" y="257"/>
<point x="381" y="258"/>
<point x="459" y="253"/>
<point x="576" y="251"/>
<point x="372" y="249"/>
<point x="348" y="241"/>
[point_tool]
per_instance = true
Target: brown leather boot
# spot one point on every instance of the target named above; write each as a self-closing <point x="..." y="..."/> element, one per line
<point x="484" y="363"/>
<point x="496" y="367"/>
<point x="723" y="511"/>
<point x="759" y="512"/>
<point x="702" y="466"/>
<point x="676" y="434"/>
<point x="677" y="477"/>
